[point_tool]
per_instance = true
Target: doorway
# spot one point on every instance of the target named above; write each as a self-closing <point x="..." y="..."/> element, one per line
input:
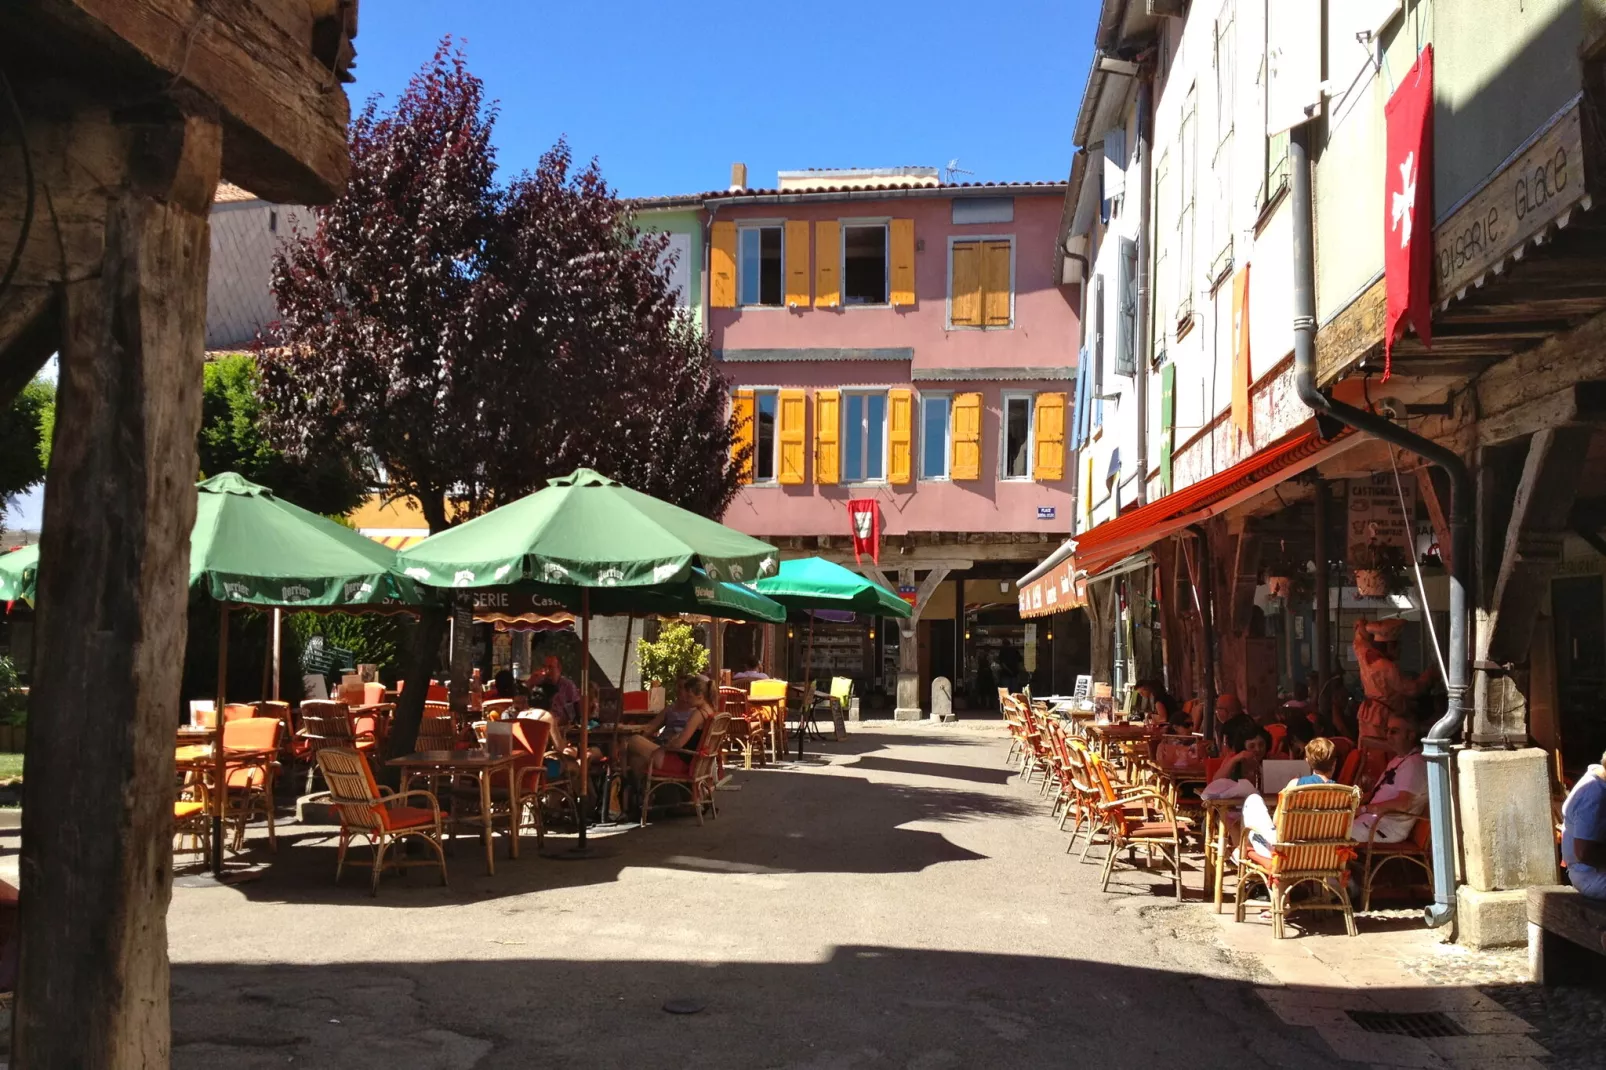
<point x="1579" y="611"/>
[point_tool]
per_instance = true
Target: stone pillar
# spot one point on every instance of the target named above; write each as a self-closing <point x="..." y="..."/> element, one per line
<point x="608" y="651"/>
<point x="1506" y="840"/>
<point x="908" y="688"/>
<point x="942" y="699"/>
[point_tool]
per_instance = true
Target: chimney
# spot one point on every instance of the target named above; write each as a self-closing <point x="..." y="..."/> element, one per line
<point x="738" y="177"/>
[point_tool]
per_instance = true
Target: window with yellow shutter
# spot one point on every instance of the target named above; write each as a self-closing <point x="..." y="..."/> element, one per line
<point x="864" y="263"/>
<point x="981" y="283"/>
<point x="791" y="435"/>
<point x="1015" y="458"/>
<point x="966" y="437"/>
<point x="761" y="279"/>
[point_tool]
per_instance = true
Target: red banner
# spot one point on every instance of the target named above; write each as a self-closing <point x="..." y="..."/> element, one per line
<point x="864" y="518"/>
<point x="1408" y="209"/>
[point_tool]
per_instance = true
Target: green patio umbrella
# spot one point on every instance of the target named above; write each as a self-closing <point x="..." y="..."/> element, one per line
<point x="622" y="549"/>
<point x="815" y="583"/>
<point x="811" y="583"/>
<point x="17" y="571"/>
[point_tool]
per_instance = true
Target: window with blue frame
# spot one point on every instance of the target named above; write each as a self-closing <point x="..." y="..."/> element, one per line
<point x="864" y="436"/>
<point x="761" y="266"/>
<point x="935" y="422"/>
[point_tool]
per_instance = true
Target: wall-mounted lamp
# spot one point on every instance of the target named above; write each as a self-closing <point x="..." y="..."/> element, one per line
<point x="872" y="633"/>
<point x="1049" y="636"/>
<point x="1003" y="586"/>
<point x="791" y="634"/>
<point x="967" y="633"/>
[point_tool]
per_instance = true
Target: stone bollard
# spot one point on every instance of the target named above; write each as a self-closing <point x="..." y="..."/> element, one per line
<point x="942" y="699"/>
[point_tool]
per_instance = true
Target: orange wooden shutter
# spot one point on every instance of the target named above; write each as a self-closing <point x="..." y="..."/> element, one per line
<point x="827" y="264"/>
<point x="827" y="436"/>
<point x="901" y="244"/>
<point x="995" y="284"/>
<point x="742" y="433"/>
<point x="793" y="424"/>
<point x="722" y="265"/>
<point x="966" y="300"/>
<point x="900" y="435"/>
<point x="797" y="263"/>
<point x="1049" y="428"/>
<point x="965" y="462"/>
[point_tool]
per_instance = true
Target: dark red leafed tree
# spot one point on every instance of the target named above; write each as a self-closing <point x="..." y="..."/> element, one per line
<point x="475" y="341"/>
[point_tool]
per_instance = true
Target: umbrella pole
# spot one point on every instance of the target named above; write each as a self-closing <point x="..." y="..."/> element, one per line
<point x="585" y="714"/>
<point x="220" y="781"/>
<point x="624" y="659"/>
<point x="808" y="686"/>
<point x="278" y="651"/>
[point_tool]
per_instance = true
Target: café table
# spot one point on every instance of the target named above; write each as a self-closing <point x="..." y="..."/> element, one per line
<point x="776" y="720"/>
<point x="483" y="766"/>
<point x="1107" y="735"/>
<point x="1218" y="828"/>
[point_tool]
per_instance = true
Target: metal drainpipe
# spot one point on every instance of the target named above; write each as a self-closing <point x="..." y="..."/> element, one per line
<point x="1118" y="670"/>
<point x="1144" y="340"/>
<point x="1447" y="731"/>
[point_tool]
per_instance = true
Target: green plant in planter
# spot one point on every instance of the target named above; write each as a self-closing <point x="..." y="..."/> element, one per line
<point x="675" y="653"/>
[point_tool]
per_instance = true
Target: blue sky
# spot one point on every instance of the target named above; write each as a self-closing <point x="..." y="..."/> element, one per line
<point x="666" y="96"/>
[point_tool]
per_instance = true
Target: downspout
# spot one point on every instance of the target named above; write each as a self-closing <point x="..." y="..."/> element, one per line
<point x="1118" y="670"/>
<point x="1144" y="332"/>
<point x="1447" y="731"/>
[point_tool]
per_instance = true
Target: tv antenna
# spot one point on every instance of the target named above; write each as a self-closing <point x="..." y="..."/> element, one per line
<point x="953" y="169"/>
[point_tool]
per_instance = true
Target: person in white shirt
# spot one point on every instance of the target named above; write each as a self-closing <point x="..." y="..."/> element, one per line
<point x="1400" y="796"/>
<point x="750" y="672"/>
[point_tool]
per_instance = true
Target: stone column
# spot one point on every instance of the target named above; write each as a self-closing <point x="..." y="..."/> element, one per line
<point x="908" y="690"/>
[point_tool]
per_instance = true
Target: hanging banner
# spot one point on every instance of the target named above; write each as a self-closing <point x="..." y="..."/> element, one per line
<point x="864" y="518"/>
<point x="1408" y="209"/>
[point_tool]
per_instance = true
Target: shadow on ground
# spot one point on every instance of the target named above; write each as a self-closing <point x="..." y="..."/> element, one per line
<point x="862" y="1007"/>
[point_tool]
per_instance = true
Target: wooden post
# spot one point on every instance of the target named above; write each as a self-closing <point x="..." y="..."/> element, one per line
<point x="220" y="782"/>
<point x="584" y="816"/>
<point x="278" y="651"/>
<point x="624" y="658"/>
<point x="93" y="986"/>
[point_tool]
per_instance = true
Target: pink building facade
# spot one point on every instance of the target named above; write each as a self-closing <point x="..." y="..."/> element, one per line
<point x="906" y="342"/>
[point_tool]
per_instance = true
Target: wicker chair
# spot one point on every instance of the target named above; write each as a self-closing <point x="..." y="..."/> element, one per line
<point x="774" y="716"/>
<point x="373" y="812"/>
<point x="250" y="781"/>
<point x="1313" y="846"/>
<point x="1138" y="817"/>
<point x="192" y="818"/>
<point x="1413" y="849"/>
<point x="326" y="723"/>
<point x="701" y="777"/>
<point x="748" y="734"/>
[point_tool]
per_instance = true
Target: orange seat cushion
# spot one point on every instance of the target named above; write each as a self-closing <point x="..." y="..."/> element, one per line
<point x="406" y="817"/>
<point x="184" y="808"/>
<point x="246" y="777"/>
<point x="1153" y="830"/>
<point x="674" y="767"/>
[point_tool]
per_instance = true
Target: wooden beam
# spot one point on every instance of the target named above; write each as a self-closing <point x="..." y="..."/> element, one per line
<point x="1242" y="580"/>
<point x="1533" y="541"/>
<point x="1578" y="404"/>
<point x="1428" y="479"/>
<point x="93" y="982"/>
<point x="1349" y="336"/>
<point x="283" y="110"/>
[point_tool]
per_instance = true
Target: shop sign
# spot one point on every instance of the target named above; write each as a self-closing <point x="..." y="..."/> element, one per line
<point x="1524" y="198"/>
<point x="1375" y="514"/>
<point x="908" y="594"/>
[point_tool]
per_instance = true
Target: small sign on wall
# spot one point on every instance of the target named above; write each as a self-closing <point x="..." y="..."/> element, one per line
<point x="1045" y="512"/>
<point x="1376" y="514"/>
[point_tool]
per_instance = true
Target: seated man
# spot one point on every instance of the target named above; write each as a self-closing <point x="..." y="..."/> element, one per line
<point x="1401" y="793"/>
<point x="750" y="671"/>
<point x="1233" y="725"/>
<point x="1583" y="833"/>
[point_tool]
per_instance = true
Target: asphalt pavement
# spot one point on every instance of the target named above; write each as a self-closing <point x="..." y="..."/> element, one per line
<point x="898" y="901"/>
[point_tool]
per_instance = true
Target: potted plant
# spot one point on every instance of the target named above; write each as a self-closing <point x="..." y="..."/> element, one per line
<point x="1379" y="569"/>
<point x="674" y="654"/>
<point x="1283" y="577"/>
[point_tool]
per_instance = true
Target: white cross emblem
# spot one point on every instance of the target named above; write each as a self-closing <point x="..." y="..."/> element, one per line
<point x="1404" y="202"/>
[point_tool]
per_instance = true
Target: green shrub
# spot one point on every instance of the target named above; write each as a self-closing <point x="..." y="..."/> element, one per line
<point x="674" y="654"/>
<point x="13" y="699"/>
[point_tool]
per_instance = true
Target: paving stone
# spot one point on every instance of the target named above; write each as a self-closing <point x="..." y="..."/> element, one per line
<point x="1494" y="1045"/>
<point x="1357" y="1045"/>
<point x="1483" y="1022"/>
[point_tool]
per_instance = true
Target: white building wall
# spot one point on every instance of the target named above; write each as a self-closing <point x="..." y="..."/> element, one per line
<point x="239" y="298"/>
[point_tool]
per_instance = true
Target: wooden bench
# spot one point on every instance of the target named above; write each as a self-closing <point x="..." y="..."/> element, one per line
<point x="1566" y="936"/>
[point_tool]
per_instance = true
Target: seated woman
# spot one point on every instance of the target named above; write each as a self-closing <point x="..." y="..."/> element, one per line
<point x="1163" y="709"/>
<point x="1322" y="758"/>
<point x="1245" y="763"/>
<point x="677" y="727"/>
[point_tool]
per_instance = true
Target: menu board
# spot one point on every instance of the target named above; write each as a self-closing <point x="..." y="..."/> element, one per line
<point x="1375" y="514"/>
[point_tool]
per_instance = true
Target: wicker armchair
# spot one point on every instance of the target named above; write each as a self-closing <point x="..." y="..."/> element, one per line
<point x="1139" y="817"/>
<point x="748" y="734"/>
<point x="192" y="818"/>
<point x="701" y="775"/>
<point x="1413" y="849"/>
<point x="378" y="815"/>
<point x="1313" y="846"/>
<point x="250" y="779"/>
<point x="326" y="723"/>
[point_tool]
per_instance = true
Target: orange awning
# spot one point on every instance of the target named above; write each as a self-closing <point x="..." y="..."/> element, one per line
<point x="399" y="542"/>
<point x="1113" y="540"/>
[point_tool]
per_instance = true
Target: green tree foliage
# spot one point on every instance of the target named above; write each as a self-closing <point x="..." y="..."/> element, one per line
<point x="324" y="478"/>
<point x="675" y="653"/>
<point x="24" y="447"/>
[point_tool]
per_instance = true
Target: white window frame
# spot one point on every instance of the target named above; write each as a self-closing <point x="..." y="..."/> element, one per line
<point x="954" y="239"/>
<point x="1003" y="435"/>
<point x="946" y="396"/>
<point x="741" y="258"/>
<point x="885" y="393"/>
<point x="775" y="444"/>
<point x="885" y="223"/>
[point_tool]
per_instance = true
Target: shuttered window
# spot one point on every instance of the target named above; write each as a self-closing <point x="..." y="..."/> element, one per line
<point x="827" y="269"/>
<point x="742" y="431"/>
<point x="827" y="431"/>
<point x="900" y="435"/>
<point x="934" y="434"/>
<point x="762" y="281"/>
<point x="902" y="246"/>
<point x="1049" y="448"/>
<point x="1015" y="457"/>
<point x="722" y="265"/>
<point x="797" y="263"/>
<point x="966" y="437"/>
<point x="982" y="288"/>
<point x="791" y="434"/>
<point x="864" y="436"/>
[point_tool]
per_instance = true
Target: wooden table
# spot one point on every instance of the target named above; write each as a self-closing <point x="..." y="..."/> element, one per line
<point x="1218" y="813"/>
<point x="1107" y="734"/>
<point x="483" y="766"/>
<point x="777" y="719"/>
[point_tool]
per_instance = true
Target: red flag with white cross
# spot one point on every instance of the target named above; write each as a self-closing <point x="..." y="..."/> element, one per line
<point x="1408" y="209"/>
<point x="866" y="521"/>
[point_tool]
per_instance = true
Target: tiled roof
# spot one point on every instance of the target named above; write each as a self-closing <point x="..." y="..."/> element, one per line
<point x="228" y="192"/>
<point x="913" y="187"/>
